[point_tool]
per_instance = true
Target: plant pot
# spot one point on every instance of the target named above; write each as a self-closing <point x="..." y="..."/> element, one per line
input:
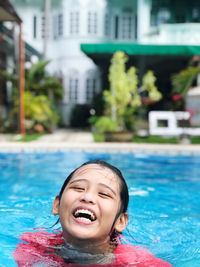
<point x="120" y="136"/>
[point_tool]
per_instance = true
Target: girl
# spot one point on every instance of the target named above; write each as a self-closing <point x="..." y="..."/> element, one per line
<point x="92" y="209"/>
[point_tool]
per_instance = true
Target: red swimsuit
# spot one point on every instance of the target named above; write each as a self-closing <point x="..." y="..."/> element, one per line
<point x="40" y="249"/>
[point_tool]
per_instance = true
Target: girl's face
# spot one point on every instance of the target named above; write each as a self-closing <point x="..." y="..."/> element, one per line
<point x="90" y="204"/>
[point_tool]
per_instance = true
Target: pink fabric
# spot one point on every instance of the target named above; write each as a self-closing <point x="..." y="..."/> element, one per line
<point x="39" y="248"/>
<point x="127" y="255"/>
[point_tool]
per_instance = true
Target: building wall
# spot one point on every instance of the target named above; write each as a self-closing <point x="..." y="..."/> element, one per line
<point x="68" y="27"/>
<point x="72" y="22"/>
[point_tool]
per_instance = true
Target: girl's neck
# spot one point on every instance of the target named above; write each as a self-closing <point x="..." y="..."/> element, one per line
<point x="92" y="247"/>
<point x="87" y="252"/>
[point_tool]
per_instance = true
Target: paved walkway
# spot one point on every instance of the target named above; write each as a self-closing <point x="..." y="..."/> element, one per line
<point x="63" y="139"/>
<point x="70" y="136"/>
<point x="61" y="135"/>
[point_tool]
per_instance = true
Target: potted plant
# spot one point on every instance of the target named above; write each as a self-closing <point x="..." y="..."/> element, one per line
<point x="123" y="99"/>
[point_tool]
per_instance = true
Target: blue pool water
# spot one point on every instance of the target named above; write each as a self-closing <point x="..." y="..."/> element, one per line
<point x="164" y="210"/>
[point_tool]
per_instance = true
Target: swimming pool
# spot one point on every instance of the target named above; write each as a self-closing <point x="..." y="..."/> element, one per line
<point x="164" y="210"/>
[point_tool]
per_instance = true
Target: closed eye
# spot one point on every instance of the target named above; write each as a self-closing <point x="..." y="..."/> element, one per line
<point x="105" y="195"/>
<point x="77" y="188"/>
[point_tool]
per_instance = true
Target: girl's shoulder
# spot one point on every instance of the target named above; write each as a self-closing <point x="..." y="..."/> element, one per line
<point x="137" y="256"/>
<point x="38" y="246"/>
<point x="43" y="238"/>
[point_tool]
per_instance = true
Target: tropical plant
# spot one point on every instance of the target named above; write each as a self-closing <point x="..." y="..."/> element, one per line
<point x="39" y="110"/>
<point x="183" y="80"/>
<point x="42" y="91"/>
<point x="39" y="81"/>
<point x="124" y="97"/>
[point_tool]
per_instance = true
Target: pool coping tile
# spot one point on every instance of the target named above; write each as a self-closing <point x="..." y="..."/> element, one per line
<point x="171" y="149"/>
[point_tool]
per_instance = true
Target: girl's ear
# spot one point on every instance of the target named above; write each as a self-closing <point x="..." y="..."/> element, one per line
<point x="56" y="205"/>
<point x="121" y="223"/>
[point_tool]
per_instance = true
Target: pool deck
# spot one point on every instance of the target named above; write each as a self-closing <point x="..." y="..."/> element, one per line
<point x="68" y="140"/>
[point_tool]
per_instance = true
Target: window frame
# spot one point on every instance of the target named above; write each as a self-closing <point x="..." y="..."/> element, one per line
<point x="73" y="92"/>
<point x="74" y="22"/>
<point x="92" y="22"/>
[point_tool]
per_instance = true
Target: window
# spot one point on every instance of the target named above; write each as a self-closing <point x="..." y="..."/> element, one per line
<point x="168" y="11"/>
<point x="73" y="89"/>
<point x="34" y="27"/>
<point x="60" y="24"/>
<point x="90" y="89"/>
<point x="92" y="22"/>
<point x="163" y="16"/>
<point x="116" y="27"/>
<point x="43" y="27"/>
<point x="55" y="27"/>
<point x="126" y="26"/>
<point x="195" y="13"/>
<point x="106" y="25"/>
<point x="74" y="22"/>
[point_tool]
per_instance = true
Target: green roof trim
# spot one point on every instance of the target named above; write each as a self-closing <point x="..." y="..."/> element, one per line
<point x="141" y="49"/>
<point x="29" y="50"/>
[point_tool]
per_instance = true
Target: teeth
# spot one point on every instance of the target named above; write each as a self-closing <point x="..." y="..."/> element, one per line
<point x="84" y="211"/>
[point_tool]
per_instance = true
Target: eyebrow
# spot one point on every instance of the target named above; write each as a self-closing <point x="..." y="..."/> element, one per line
<point x="77" y="180"/>
<point x="101" y="184"/>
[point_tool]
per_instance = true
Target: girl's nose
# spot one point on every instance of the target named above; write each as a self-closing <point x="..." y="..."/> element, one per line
<point x="88" y="197"/>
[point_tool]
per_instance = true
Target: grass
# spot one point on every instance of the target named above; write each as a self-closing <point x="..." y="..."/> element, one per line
<point x="29" y="137"/>
<point x="152" y="139"/>
<point x="136" y="139"/>
<point x="155" y="140"/>
<point x="147" y="139"/>
<point x="195" y="140"/>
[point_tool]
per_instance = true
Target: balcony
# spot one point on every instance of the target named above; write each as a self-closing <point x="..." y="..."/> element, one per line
<point x="179" y="33"/>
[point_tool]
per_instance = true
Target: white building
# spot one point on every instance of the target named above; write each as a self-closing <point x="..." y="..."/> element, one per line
<point x="63" y="29"/>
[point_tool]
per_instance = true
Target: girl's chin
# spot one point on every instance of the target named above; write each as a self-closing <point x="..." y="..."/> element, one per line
<point x="83" y="236"/>
<point x="79" y="233"/>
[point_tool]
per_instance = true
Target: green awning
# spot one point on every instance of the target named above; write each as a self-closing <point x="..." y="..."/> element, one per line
<point x="141" y="49"/>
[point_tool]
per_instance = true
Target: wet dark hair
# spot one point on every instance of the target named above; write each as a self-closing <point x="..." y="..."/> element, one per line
<point x="124" y="196"/>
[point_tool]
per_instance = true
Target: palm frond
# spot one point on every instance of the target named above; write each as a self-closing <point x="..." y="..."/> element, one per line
<point x="182" y="81"/>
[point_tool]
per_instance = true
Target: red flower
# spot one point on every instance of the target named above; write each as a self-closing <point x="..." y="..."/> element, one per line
<point x="177" y="97"/>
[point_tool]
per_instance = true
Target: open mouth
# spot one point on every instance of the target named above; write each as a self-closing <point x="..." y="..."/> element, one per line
<point x="84" y="213"/>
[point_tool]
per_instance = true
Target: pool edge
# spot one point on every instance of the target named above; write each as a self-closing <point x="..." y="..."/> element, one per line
<point x="99" y="147"/>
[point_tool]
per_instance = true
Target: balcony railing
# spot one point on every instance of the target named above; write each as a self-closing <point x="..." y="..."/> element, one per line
<point x="179" y="33"/>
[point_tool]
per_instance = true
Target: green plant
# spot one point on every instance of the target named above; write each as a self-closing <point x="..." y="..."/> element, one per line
<point x="124" y="97"/>
<point x="104" y="124"/>
<point x="39" y="109"/>
<point x="42" y="91"/>
<point x="39" y="81"/>
<point x="183" y="80"/>
<point x="30" y="137"/>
